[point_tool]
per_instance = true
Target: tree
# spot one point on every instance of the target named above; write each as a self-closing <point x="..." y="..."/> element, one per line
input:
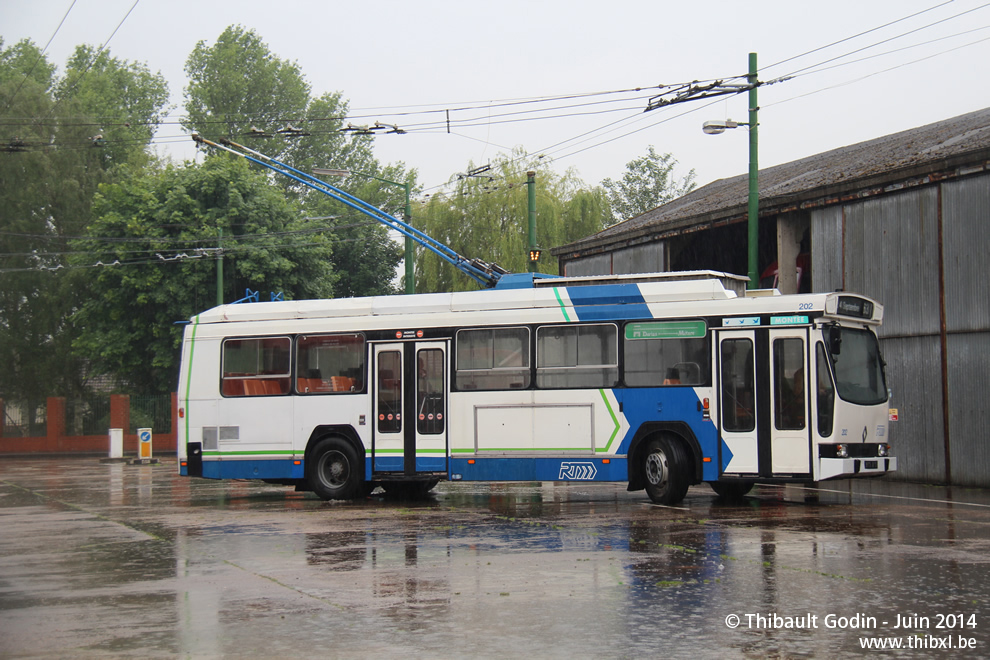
<point x="162" y="226"/>
<point x="51" y="168"/>
<point x="124" y="101"/>
<point x="238" y="87"/>
<point x="487" y="218"/>
<point x="647" y="183"/>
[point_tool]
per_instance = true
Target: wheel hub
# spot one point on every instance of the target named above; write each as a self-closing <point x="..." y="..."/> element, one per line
<point x="334" y="469"/>
<point x="656" y="469"/>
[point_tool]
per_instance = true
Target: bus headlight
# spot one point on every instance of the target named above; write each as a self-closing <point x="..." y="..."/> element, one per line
<point x="883" y="450"/>
<point x="842" y="451"/>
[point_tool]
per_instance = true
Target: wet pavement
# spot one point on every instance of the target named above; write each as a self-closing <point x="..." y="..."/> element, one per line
<point x="103" y="560"/>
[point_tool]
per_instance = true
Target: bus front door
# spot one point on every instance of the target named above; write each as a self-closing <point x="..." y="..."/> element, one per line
<point x="790" y="440"/>
<point x="763" y="402"/>
<point x="410" y="406"/>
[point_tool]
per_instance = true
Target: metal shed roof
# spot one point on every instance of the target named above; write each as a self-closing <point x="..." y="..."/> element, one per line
<point x="954" y="145"/>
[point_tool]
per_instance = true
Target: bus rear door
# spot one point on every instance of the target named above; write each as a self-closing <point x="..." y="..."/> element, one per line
<point x="410" y="406"/>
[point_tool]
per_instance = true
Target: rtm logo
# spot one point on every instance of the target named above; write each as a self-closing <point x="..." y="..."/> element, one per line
<point x="578" y="471"/>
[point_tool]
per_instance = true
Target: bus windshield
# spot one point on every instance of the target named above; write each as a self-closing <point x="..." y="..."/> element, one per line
<point x="858" y="367"/>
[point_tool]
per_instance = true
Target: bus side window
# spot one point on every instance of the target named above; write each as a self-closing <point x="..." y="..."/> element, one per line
<point x="492" y="359"/>
<point x="255" y="367"/>
<point x="330" y="364"/>
<point x="572" y="356"/>
<point x="669" y="361"/>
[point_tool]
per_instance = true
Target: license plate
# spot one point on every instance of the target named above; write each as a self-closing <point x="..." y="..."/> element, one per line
<point x="871" y="465"/>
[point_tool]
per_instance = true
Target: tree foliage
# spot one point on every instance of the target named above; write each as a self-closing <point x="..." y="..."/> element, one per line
<point x="648" y="182"/>
<point x="48" y="176"/>
<point x="238" y="87"/>
<point x="163" y="226"/>
<point x="487" y="218"/>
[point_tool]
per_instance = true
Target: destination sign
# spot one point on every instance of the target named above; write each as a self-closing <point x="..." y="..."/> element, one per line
<point x="666" y="330"/>
<point x="855" y="307"/>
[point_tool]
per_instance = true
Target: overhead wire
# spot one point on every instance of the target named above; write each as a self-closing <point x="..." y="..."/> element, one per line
<point x="856" y="36"/>
<point x="887" y="40"/>
<point x="534" y="114"/>
<point x="92" y="61"/>
<point x="41" y="56"/>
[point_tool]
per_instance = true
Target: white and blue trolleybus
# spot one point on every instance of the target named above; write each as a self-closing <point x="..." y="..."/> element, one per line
<point x="660" y="381"/>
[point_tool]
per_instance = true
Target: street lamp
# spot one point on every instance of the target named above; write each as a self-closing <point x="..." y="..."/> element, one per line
<point x="753" y="206"/>
<point x="410" y="252"/>
<point x="534" y="251"/>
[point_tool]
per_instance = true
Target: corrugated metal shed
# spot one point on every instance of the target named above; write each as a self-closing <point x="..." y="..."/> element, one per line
<point x="904" y="219"/>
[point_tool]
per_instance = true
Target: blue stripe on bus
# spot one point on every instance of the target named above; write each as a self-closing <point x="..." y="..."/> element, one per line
<point x="642" y="405"/>
<point x="398" y="464"/>
<point x="608" y="302"/>
<point x="253" y="469"/>
<point x="539" y="469"/>
<point x="726" y="456"/>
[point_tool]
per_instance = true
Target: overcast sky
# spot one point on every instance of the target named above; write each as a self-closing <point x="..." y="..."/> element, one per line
<point x="391" y="56"/>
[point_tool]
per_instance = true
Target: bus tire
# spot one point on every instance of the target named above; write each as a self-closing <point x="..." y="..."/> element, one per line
<point x="333" y="471"/>
<point x="665" y="466"/>
<point x="731" y="490"/>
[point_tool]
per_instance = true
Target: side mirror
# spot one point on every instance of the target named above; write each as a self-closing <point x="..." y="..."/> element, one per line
<point x="835" y="341"/>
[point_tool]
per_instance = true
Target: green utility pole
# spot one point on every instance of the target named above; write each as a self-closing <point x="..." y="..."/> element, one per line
<point x="534" y="251"/>
<point x="410" y="253"/>
<point x="753" y="210"/>
<point x="220" y="267"/>
<point x="410" y="248"/>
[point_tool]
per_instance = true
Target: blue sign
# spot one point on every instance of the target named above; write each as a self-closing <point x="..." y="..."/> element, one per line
<point x="741" y="321"/>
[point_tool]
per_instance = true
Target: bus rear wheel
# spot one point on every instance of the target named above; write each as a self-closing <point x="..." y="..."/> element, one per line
<point x="332" y="470"/>
<point x="665" y="465"/>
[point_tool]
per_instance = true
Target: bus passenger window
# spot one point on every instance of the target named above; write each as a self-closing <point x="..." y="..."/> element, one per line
<point x="738" y="400"/>
<point x="330" y="364"/>
<point x="492" y="359"/>
<point x="666" y="353"/>
<point x="571" y="356"/>
<point x="255" y="367"/>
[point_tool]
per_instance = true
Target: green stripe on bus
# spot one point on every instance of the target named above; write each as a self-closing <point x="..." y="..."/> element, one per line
<point x="287" y="452"/>
<point x="563" y="308"/>
<point x="614" y="421"/>
<point x="418" y="451"/>
<point x="192" y="347"/>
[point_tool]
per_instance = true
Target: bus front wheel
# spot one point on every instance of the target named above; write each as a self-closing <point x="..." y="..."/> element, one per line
<point x="333" y="472"/>
<point x="665" y="465"/>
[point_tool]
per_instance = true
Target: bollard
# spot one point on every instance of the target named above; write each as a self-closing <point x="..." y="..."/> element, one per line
<point x="116" y="443"/>
<point x="144" y="443"/>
